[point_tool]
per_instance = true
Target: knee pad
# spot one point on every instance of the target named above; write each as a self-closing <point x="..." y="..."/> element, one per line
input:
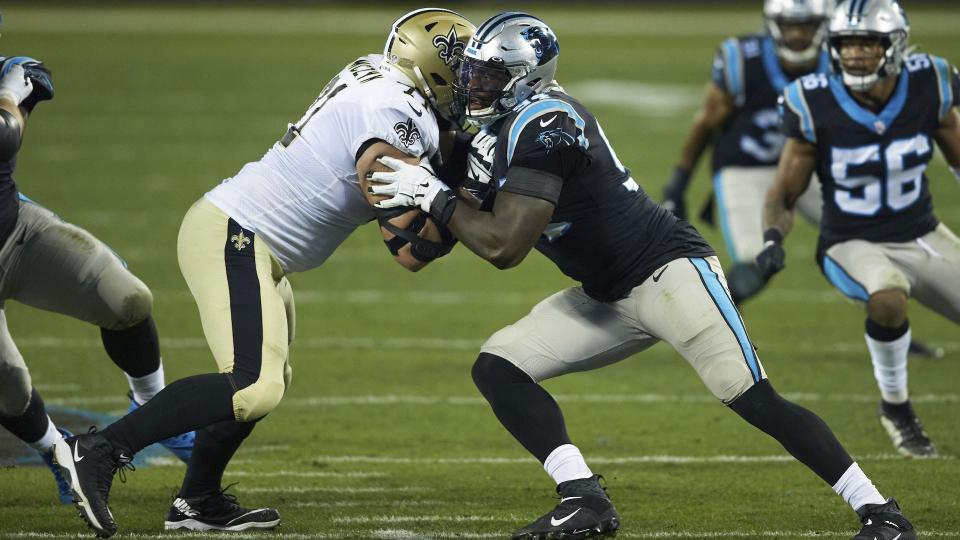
<point x="15" y="388"/>
<point x="257" y="400"/>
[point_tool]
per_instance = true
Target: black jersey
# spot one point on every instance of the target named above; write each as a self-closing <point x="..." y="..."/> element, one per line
<point x="747" y="68"/>
<point x="872" y="165"/>
<point x="605" y="231"/>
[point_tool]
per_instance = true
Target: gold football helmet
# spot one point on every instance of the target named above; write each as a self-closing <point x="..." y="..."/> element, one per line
<point x="425" y="46"/>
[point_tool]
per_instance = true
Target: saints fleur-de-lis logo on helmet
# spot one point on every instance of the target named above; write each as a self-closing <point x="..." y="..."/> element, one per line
<point x="448" y="47"/>
<point x="240" y="241"/>
<point x="407" y="132"/>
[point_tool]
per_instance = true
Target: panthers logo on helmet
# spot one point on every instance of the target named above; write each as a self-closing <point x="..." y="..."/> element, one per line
<point x="544" y="43"/>
<point x="449" y="48"/>
<point x="407" y="132"/>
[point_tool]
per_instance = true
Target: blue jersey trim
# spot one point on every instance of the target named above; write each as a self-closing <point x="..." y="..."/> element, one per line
<point x="946" y="91"/>
<point x="795" y="100"/>
<point x="24" y="198"/>
<point x="730" y="314"/>
<point x="731" y="55"/>
<point x="873" y="122"/>
<point x="724" y="220"/>
<point x="839" y="278"/>
<point x="535" y="110"/>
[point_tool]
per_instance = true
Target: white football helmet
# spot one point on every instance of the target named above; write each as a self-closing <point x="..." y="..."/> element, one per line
<point x="511" y="57"/>
<point x="880" y="19"/>
<point x="423" y="49"/>
<point x="814" y="12"/>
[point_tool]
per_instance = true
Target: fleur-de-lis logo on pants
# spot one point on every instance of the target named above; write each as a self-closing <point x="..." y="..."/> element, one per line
<point x="240" y="241"/>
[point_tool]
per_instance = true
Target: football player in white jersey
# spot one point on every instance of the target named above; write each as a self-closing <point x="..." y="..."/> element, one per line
<point x="286" y="212"/>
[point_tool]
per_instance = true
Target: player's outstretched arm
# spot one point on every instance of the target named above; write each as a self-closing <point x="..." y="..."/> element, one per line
<point x="508" y="232"/>
<point x="716" y="108"/>
<point x="947" y="137"/>
<point x="797" y="162"/>
<point x="403" y="219"/>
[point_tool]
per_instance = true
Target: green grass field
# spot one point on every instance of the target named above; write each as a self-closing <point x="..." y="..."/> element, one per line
<point x="382" y="434"/>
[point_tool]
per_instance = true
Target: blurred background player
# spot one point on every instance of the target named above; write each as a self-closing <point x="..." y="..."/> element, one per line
<point x="285" y="213"/>
<point x="739" y="119"/>
<point x="55" y="266"/>
<point x="867" y="131"/>
<point x="645" y="276"/>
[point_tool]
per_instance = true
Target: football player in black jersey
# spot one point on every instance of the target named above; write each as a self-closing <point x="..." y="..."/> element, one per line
<point x="739" y="119"/>
<point x="55" y="266"/>
<point x="868" y="132"/>
<point x="556" y="184"/>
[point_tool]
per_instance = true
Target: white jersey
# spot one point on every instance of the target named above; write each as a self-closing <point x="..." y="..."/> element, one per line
<point x="303" y="198"/>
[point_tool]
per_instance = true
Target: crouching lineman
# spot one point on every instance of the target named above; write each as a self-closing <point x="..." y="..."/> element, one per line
<point x="285" y="213"/>
<point x="867" y="132"/>
<point x="55" y="266"/>
<point x="557" y="185"/>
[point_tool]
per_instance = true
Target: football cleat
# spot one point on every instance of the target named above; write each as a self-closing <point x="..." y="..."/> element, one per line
<point x="884" y="522"/>
<point x="181" y="445"/>
<point x="218" y="512"/>
<point x="922" y="350"/>
<point x="585" y="511"/>
<point x="63" y="486"/>
<point x="905" y="430"/>
<point x="88" y="462"/>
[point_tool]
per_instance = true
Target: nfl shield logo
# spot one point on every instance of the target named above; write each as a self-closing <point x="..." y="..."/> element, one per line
<point x="880" y="127"/>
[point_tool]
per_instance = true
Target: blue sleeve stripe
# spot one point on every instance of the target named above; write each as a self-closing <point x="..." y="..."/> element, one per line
<point x="795" y="100"/>
<point x="839" y="278"/>
<point x="536" y="110"/>
<point x="946" y="91"/>
<point x="734" y="69"/>
<point x="721" y="298"/>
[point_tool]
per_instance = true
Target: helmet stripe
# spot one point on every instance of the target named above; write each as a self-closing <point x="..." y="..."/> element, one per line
<point x="490" y="25"/>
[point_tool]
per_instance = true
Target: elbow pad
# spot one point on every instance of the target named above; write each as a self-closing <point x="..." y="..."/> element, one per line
<point x="9" y="135"/>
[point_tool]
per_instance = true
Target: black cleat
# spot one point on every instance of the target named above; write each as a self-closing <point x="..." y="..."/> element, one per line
<point x="921" y="350"/>
<point x="585" y="511"/>
<point x="884" y="522"/>
<point x="218" y="512"/>
<point x="905" y="430"/>
<point x="88" y="463"/>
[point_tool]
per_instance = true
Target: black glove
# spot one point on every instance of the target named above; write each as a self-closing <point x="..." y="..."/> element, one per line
<point x="673" y="193"/>
<point x="770" y="260"/>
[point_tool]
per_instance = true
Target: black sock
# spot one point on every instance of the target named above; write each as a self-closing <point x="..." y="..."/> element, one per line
<point x="528" y="412"/>
<point x="30" y="426"/>
<point x="135" y="350"/>
<point x="883" y="333"/>
<point x="214" y="447"/>
<point x="184" y="405"/>
<point x="805" y="435"/>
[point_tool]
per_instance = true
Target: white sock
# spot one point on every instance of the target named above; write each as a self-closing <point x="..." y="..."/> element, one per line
<point x="566" y="463"/>
<point x="857" y="489"/>
<point x="147" y="386"/>
<point x="49" y="438"/>
<point x="890" y="367"/>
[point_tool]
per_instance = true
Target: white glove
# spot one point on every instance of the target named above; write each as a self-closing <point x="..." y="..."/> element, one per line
<point x="480" y="158"/>
<point x="15" y="85"/>
<point x="407" y="185"/>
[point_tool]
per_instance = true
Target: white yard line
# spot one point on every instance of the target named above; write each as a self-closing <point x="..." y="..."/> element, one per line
<point x="330" y="489"/>
<point x="307" y="474"/>
<point x="402" y="533"/>
<point x="600" y="460"/>
<point x="444" y="401"/>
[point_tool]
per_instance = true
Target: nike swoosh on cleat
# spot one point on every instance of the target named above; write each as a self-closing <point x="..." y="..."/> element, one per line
<point x="554" y="521"/>
<point x="76" y="455"/>
<point x="563" y="500"/>
<point x="545" y="123"/>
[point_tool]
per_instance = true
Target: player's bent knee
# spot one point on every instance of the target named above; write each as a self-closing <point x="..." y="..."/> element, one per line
<point x="257" y="400"/>
<point x="888" y="307"/>
<point x="491" y="371"/>
<point x="15" y="388"/>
